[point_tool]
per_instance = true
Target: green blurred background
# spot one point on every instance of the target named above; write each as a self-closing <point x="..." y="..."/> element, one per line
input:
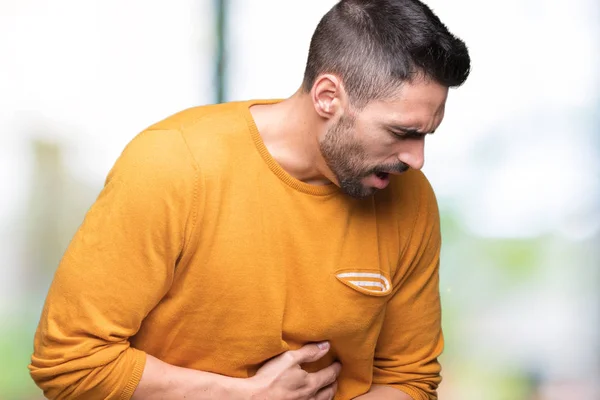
<point x="515" y="165"/>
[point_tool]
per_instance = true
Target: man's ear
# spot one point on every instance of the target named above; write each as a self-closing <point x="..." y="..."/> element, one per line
<point x="328" y="96"/>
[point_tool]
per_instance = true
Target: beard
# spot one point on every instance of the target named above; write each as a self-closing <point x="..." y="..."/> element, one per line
<point x="347" y="159"/>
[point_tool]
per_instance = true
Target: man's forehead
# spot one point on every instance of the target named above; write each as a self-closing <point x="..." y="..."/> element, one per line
<point x="406" y="109"/>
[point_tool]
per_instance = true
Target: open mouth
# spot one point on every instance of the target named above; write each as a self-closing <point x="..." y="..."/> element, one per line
<point x="378" y="179"/>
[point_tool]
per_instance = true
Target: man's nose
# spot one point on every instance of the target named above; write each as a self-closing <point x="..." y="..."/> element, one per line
<point x="413" y="153"/>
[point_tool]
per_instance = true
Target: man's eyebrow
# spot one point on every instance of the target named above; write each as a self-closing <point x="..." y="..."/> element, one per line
<point x="408" y="131"/>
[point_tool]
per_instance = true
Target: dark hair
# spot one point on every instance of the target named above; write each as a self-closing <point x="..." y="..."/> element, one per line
<point x="376" y="45"/>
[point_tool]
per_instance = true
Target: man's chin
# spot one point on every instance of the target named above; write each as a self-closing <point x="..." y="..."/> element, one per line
<point x="357" y="190"/>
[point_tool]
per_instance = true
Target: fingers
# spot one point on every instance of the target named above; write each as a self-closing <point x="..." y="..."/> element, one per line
<point x="325" y="377"/>
<point x="327" y="393"/>
<point x="309" y="353"/>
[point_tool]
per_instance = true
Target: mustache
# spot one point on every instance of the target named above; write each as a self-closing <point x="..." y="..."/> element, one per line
<point x="399" y="167"/>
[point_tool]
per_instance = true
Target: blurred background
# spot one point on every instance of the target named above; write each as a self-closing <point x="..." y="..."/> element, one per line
<point x="516" y="164"/>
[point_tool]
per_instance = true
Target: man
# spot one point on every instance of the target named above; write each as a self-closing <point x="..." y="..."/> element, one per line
<point x="270" y="249"/>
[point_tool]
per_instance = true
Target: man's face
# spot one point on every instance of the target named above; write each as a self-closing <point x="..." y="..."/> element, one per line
<point x="386" y="137"/>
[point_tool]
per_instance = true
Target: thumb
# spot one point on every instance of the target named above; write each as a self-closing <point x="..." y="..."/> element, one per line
<point x="310" y="352"/>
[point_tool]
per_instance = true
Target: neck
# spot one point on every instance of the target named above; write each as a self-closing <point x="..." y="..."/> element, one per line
<point x="290" y="130"/>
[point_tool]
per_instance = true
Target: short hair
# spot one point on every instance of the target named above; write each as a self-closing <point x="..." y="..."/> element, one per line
<point x="374" y="46"/>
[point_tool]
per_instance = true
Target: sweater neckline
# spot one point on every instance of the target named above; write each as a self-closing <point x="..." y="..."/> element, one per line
<point x="282" y="174"/>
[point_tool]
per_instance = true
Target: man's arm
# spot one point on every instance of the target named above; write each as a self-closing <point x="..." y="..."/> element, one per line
<point x="410" y="341"/>
<point x="161" y="380"/>
<point x="117" y="268"/>
<point x="279" y="378"/>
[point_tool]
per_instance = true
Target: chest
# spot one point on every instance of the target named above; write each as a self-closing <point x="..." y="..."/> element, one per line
<point x="268" y="277"/>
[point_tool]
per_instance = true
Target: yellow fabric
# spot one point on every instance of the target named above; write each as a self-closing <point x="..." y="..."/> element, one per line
<point x="202" y="251"/>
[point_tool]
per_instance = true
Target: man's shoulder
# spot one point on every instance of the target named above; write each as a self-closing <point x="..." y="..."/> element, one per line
<point x="411" y="186"/>
<point x="409" y="194"/>
<point x="190" y="118"/>
<point x="212" y="133"/>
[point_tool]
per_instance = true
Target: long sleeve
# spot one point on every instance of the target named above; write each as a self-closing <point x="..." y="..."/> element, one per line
<point x="411" y="337"/>
<point x="118" y="266"/>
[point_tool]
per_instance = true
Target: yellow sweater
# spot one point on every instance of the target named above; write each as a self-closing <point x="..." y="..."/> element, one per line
<point x="203" y="252"/>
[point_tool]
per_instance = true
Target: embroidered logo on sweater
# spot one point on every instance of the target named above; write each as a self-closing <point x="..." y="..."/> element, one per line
<point x="366" y="282"/>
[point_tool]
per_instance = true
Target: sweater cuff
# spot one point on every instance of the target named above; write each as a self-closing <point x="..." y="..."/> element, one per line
<point x="139" y="362"/>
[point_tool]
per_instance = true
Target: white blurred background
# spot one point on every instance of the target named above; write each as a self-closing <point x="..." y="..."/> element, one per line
<point x="515" y="165"/>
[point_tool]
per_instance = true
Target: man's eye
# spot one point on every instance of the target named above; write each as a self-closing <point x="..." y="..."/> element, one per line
<point x="407" y="135"/>
<point x="399" y="135"/>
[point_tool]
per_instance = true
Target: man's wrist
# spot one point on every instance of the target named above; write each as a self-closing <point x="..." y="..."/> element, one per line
<point x="236" y="388"/>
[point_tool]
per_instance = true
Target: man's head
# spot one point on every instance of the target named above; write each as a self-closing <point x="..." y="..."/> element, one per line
<point x="378" y="73"/>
